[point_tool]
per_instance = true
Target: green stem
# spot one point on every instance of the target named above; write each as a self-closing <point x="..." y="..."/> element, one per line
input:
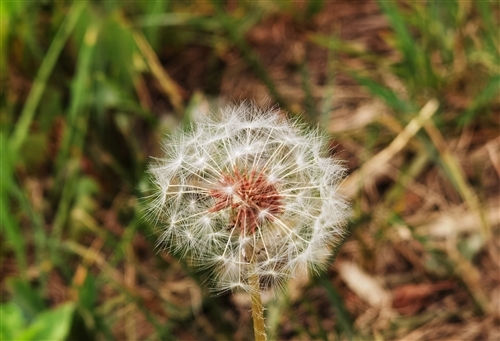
<point x="259" y="328"/>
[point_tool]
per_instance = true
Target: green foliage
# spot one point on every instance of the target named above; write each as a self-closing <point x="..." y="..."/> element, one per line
<point x="51" y="324"/>
<point x="85" y="108"/>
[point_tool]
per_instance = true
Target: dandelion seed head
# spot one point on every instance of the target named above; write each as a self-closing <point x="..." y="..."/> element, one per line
<point x="247" y="192"/>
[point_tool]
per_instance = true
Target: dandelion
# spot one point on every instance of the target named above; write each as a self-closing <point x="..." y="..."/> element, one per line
<point x="250" y="195"/>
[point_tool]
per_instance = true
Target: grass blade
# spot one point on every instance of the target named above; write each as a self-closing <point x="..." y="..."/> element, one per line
<point x="344" y="319"/>
<point x="372" y="166"/>
<point x="44" y="72"/>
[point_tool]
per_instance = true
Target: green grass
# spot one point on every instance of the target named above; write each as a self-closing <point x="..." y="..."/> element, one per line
<point x="93" y="86"/>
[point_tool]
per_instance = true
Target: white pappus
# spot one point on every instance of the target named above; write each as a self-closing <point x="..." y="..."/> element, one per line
<point x="247" y="192"/>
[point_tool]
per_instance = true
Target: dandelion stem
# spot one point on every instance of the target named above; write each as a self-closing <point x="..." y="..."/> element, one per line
<point x="259" y="328"/>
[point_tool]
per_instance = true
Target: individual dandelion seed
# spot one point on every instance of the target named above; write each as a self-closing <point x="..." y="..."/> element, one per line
<point x="250" y="195"/>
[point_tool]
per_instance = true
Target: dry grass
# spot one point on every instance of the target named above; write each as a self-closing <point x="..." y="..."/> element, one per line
<point x="408" y="92"/>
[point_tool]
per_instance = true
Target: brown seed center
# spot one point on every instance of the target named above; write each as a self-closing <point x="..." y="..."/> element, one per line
<point x="251" y="197"/>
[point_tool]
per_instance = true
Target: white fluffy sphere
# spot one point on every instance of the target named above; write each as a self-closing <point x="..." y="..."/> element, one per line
<point x="247" y="192"/>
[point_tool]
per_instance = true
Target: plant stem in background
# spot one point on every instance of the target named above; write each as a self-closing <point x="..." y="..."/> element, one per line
<point x="259" y="328"/>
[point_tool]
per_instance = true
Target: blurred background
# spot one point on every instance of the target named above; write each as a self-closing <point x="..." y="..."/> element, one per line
<point x="407" y="90"/>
